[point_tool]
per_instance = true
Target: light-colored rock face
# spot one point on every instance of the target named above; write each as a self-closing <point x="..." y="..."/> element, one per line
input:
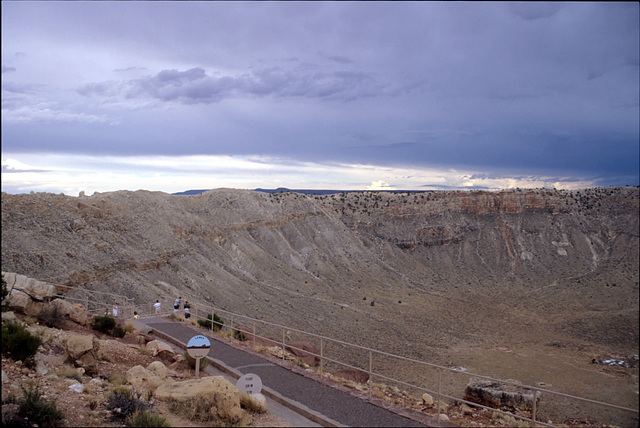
<point x="223" y="395"/>
<point x="427" y="399"/>
<point x="76" y="346"/>
<point x="78" y="313"/>
<point x="9" y="317"/>
<point x="22" y="302"/>
<point x="82" y="351"/>
<point x="157" y="347"/>
<point x="63" y="306"/>
<point x="143" y="379"/>
<point x="159" y="369"/>
<point x="37" y="290"/>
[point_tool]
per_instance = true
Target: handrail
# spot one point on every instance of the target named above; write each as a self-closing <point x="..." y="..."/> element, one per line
<point x="198" y="307"/>
<point x="220" y="311"/>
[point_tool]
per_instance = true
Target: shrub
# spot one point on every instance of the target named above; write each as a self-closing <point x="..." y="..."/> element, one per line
<point x="5" y="293"/>
<point x="201" y="409"/>
<point x="194" y="409"/>
<point x="191" y="362"/>
<point x="37" y="410"/>
<point x="129" y="327"/>
<point x="147" y="419"/>
<point x="211" y="319"/>
<point x="239" y="335"/>
<point x="250" y="404"/>
<point x="124" y="403"/>
<point x="51" y="316"/>
<point x="69" y="372"/>
<point x="206" y="324"/>
<point x="18" y="343"/>
<point x="103" y="323"/>
<point x="117" y="380"/>
<point x="118" y="331"/>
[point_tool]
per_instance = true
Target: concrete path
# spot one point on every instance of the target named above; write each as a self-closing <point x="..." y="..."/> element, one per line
<point x="316" y="402"/>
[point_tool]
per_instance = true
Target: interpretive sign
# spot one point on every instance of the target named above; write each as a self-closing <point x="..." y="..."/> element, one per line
<point x="198" y="347"/>
<point x="250" y="383"/>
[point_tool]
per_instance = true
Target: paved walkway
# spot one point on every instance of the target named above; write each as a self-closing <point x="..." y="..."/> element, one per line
<point x="319" y="403"/>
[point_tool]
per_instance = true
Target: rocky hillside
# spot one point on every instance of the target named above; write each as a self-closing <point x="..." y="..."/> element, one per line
<point x="412" y="273"/>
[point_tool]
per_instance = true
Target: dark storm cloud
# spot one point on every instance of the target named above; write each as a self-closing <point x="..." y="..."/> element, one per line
<point x="518" y="87"/>
<point x="196" y="86"/>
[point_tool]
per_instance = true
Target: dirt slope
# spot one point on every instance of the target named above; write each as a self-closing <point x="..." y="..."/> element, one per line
<point x="422" y="274"/>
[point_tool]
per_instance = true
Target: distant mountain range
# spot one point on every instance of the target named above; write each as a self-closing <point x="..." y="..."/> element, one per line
<point x="302" y="191"/>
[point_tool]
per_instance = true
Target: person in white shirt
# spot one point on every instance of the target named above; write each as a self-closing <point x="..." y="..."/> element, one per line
<point x="176" y="305"/>
<point x="157" y="306"/>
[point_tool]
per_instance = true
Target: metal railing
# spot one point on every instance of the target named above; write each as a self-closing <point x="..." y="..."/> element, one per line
<point x="89" y="299"/>
<point x="444" y="382"/>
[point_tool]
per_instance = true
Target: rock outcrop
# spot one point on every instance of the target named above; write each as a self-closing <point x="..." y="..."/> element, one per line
<point x="82" y="351"/>
<point x="159" y="348"/>
<point x="305" y="351"/>
<point x="222" y="395"/>
<point x="144" y="379"/>
<point x="353" y="375"/>
<point x="500" y="395"/>
<point x="29" y="296"/>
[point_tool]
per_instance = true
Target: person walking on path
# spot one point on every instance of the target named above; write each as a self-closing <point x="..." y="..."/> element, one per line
<point x="176" y="305"/>
<point x="187" y="310"/>
<point x="157" y="306"/>
<point x="115" y="311"/>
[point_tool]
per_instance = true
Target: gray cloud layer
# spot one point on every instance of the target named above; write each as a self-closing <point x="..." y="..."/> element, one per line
<point x="196" y="86"/>
<point x="519" y="87"/>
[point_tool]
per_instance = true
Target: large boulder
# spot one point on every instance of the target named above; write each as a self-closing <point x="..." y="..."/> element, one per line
<point x="37" y="290"/>
<point x="303" y="351"/>
<point x="159" y="369"/>
<point x="82" y="351"/>
<point x="499" y="395"/>
<point x="223" y="396"/>
<point x="353" y="375"/>
<point x="20" y="301"/>
<point x="159" y="348"/>
<point x="9" y="317"/>
<point x="143" y="379"/>
<point x="78" y="313"/>
<point x="62" y="306"/>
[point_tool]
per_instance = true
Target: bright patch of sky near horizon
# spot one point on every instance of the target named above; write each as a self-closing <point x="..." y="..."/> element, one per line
<point x="170" y="96"/>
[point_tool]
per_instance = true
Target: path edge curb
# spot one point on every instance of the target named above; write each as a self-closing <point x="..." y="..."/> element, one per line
<point x="299" y="408"/>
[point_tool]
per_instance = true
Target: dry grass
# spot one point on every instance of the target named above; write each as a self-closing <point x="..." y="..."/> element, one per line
<point x="204" y="411"/>
<point x="250" y="404"/>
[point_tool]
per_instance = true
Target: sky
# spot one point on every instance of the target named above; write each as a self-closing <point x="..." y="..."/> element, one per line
<point x="171" y="96"/>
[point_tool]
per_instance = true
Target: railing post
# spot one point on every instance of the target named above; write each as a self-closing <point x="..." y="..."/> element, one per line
<point x="283" y="336"/>
<point x="533" y="412"/>
<point x="370" y="376"/>
<point x="254" y="333"/>
<point x="86" y="300"/>
<point x="439" y="383"/>
<point x="321" y="357"/>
